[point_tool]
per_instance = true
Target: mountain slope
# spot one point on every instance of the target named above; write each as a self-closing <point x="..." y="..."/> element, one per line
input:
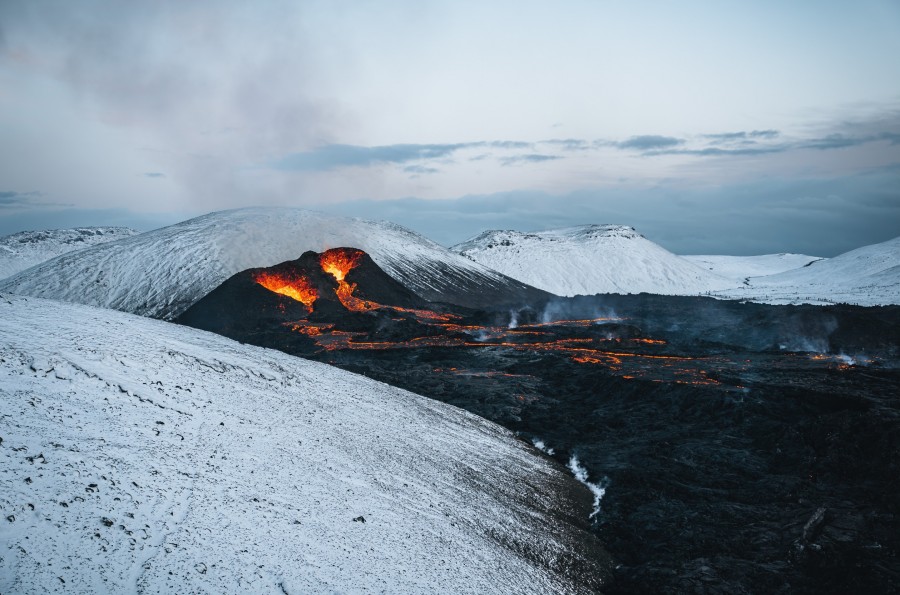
<point x="589" y="259"/>
<point x="867" y="276"/>
<point x="143" y="456"/>
<point x="738" y="268"/>
<point x="20" y="251"/>
<point x="162" y="272"/>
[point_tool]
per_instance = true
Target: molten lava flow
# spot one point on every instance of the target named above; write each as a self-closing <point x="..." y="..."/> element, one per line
<point x="338" y="262"/>
<point x="310" y="329"/>
<point x="298" y="288"/>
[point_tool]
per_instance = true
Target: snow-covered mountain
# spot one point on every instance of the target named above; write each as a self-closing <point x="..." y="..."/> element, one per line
<point x="590" y="259"/>
<point x="162" y="272"/>
<point x="141" y="456"/>
<point x="20" y="251"/>
<point x="867" y="276"/>
<point x="738" y="268"/>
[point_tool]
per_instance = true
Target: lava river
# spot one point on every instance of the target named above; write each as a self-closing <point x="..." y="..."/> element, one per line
<point x="588" y="341"/>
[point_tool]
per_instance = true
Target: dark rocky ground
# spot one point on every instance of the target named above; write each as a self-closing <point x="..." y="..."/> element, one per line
<point x="763" y="458"/>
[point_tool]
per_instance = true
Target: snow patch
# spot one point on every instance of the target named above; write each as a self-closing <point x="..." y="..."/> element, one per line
<point x="142" y="456"/>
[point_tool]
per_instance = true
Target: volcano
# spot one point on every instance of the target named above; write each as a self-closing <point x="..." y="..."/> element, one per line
<point x="340" y="290"/>
<point x="729" y="446"/>
<point x="161" y="273"/>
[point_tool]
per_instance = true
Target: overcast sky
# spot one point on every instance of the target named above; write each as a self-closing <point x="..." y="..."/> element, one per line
<point x="711" y="126"/>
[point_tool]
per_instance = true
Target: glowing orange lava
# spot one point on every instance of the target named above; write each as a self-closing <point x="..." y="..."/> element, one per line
<point x="297" y="288"/>
<point x="337" y="262"/>
<point x="340" y="261"/>
<point x="310" y="329"/>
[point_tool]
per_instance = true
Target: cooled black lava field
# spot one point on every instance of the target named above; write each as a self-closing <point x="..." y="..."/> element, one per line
<point x="744" y="448"/>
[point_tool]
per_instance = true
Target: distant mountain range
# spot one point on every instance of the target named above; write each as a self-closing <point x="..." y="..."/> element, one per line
<point x="22" y="250"/>
<point x="592" y="259"/>
<point x="163" y="272"/>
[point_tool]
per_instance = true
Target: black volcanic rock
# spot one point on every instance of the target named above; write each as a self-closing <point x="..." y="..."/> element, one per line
<point x="719" y="429"/>
<point x="241" y="308"/>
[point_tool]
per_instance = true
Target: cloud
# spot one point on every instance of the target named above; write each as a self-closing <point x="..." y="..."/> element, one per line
<point x="879" y="128"/>
<point x="10" y="198"/>
<point x="506" y="144"/>
<point x="171" y="72"/>
<point x="833" y="141"/>
<point x="420" y="169"/>
<point x="508" y="153"/>
<point x="719" y="152"/>
<point x="742" y="136"/>
<point x="154" y="174"/>
<point x="335" y="156"/>
<point x="745" y="147"/>
<point x="726" y="136"/>
<point x="331" y="157"/>
<point x="649" y="142"/>
<point x="568" y="144"/>
<point x="529" y="158"/>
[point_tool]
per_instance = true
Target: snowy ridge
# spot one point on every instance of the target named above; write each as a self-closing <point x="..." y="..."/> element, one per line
<point x="590" y="259"/>
<point x="162" y="272"/>
<point x="20" y="251"/>
<point x="739" y="268"/>
<point x="867" y="276"/>
<point x="142" y="456"/>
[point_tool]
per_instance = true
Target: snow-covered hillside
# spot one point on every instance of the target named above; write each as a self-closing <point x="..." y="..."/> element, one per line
<point x="590" y="259"/>
<point x="738" y="268"/>
<point x="867" y="276"/>
<point x="20" y="251"/>
<point x="162" y="272"/>
<point x="142" y="456"/>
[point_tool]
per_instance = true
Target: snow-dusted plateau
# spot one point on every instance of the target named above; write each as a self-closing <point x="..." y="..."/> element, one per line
<point x="570" y="410"/>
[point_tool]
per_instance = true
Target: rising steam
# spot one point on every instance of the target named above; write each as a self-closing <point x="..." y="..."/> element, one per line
<point x="542" y="446"/>
<point x="581" y="474"/>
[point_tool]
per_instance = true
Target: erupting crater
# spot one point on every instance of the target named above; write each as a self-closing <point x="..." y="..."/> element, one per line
<point x="294" y="286"/>
<point x="338" y="262"/>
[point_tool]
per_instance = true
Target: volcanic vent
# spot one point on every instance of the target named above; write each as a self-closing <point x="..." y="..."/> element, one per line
<point x="339" y="290"/>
